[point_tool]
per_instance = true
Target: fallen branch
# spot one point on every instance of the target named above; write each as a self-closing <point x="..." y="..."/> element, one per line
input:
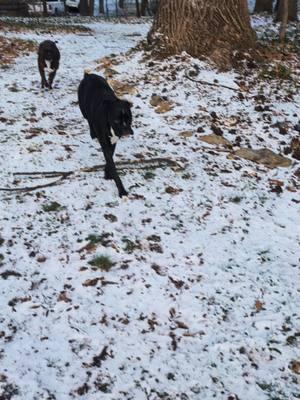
<point x="45" y="174"/>
<point x="122" y="164"/>
<point x="31" y="188"/>
<point x="141" y="164"/>
<point x="209" y="83"/>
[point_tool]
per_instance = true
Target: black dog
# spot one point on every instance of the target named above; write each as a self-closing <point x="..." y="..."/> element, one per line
<point x="109" y="119"/>
<point x="48" y="58"/>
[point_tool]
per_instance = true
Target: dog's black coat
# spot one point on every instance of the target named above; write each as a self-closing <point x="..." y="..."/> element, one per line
<point x="107" y="116"/>
<point x="49" y="52"/>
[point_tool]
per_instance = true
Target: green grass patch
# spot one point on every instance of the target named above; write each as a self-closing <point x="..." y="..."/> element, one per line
<point x="149" y="175"/>
<point x="131" y="246"/>
<point x="186" y="176"/>
<point x="235" y="199"/>
<point x="102" y="262"/>
<point x="103" y="239"/>
<point x="53" y="206"/>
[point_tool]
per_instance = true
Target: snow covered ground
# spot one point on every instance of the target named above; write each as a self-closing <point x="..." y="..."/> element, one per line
<point x="196" y="295"/>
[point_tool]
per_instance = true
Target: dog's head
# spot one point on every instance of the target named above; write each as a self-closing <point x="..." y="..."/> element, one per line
<point x="120" y="117"/>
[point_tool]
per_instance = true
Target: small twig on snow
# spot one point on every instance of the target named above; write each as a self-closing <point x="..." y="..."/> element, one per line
<point x="209" y="83"/>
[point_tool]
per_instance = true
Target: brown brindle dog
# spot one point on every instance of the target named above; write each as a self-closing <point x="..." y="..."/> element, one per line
<point x="48" y="60"/>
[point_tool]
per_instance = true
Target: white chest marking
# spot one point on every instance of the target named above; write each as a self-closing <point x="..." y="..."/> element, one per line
<point x="114" y="138"/>
<point x="48" y="66"/>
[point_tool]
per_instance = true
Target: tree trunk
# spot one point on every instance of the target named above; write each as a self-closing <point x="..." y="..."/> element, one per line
<point x="45" y="11"/>
<point x="91" y="8"/>
<point x="138" y="11"/>
<point x="263" y="6"/>
<point x="65" y="8"/>
<point x="145" y="8"/>
<point x="292" y="10"/>
<point x="101" y="7"/>
<point x="284" y="20"/>
<point x="154" y="6"/>
<point x="213" y="28"/>
<point x="84" y="7"/>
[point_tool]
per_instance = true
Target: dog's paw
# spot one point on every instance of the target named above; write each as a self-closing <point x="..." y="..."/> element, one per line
<point x="123" y="194"/>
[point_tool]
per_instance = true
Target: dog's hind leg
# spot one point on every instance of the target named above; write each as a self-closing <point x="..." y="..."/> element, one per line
<point x="51" y="78"/>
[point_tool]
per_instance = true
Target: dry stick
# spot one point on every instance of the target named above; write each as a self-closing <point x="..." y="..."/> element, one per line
<point x="65" y="174"/>
<point x="45" y="174"/>
<point x="209" y="83"/>
<point x="123" y="164"/>
<point x="29" y="189"/>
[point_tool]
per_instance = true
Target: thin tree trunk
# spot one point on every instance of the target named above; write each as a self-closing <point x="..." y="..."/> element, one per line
<point x="213" y="28"/>
<point x="91" y="8"/>
<point x="138" y="11"/>
<point x="65" y="8"/>
<point x="284" y="20"/>
<point x="101" y="7"/>
<point x="84" y="7"/>
<point x="292" y="10"/>
<point x="45" y="11"/>
<point x="263" y="6"/>
<point x="145" y="7"/>
<point x="154" y="6"/>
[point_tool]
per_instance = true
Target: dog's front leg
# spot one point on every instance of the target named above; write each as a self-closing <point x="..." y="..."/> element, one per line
<point x="110" y="168"/>
<point x="42" y="73"/>
<point x="107" y="172"/>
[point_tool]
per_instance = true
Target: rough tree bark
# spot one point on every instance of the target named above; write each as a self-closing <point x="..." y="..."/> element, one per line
<point x="292" y="10"/>
<point x="263" y="6"/>
<point x="213" y="28"/>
